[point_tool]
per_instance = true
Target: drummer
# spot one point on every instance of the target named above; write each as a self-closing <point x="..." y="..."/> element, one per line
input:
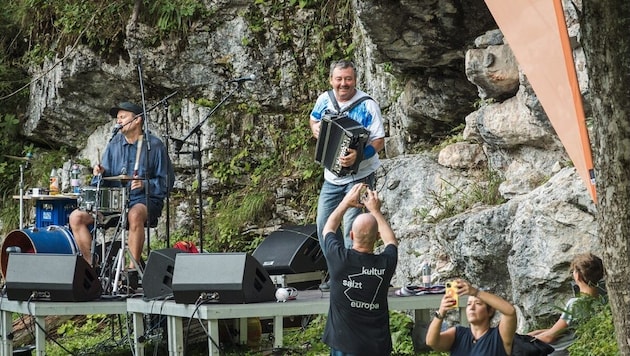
<point x="121" y="159"/>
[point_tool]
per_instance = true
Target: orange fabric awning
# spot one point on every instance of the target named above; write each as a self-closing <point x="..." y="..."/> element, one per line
<point x="537" y="34"/>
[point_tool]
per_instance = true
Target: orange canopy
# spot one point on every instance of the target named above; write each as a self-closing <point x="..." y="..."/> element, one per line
<point x="537" y="34"/>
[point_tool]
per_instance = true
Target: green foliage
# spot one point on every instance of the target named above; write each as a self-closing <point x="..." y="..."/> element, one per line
<point x="175" y="15"/>
<point x="234" y="212"/>
<point x="309" y="337"/>
<point x="329" y="33"/>
<point x="483" y="102"/>
<point x="49" y="27"/>
<point x="303" y="4"/>
<point x="276" y="150"/>
<point x="457" y="135"/>
<point x="86" y="337"/>
<point x="401" y="325"/>
<point x="451" y="200"/>
<point x="10" y="171"/>
<point x="595" y="335"/>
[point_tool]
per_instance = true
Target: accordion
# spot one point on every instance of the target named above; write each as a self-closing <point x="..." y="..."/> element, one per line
<point x="337" y="133"/>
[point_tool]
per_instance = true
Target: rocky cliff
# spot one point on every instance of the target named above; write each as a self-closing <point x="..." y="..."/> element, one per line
<point x="497" y="202"/>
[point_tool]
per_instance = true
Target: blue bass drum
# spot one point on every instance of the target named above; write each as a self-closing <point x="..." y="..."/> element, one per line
<point x="50" y="239"/>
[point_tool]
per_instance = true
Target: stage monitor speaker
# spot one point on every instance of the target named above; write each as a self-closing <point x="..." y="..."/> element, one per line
<point x="233" y="278"/>
<point x="291" y="249"/>
<point x="52" y="277"/>
<point x="157" y="281"/>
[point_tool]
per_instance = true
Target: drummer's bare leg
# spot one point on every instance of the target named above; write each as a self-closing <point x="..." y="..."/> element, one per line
<point x="79" y="221"/>
<point x="136" y="218"/>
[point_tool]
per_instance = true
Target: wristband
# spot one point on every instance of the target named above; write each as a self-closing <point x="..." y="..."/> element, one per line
<point x="368" y="152"/>
<point x="438" y="315"/>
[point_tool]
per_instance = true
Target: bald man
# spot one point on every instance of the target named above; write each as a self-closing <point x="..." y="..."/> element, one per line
<point x="358" y="316"/>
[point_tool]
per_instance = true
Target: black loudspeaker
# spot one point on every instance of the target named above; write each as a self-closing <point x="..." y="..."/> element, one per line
<point x="157" y="280"/>
<point x="292" y="249"/>
<point x="233" y="278"/>
<point x="53" y="277"/>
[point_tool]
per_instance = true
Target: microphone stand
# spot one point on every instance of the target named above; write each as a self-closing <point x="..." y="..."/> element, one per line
<point x="164" y="102"/>
<point x="22" y="166"/>
<point x="168" y="177"/>
<point x="147" y="142"/>
<point x="144" y="113"/>
<point x="197" y="155"/>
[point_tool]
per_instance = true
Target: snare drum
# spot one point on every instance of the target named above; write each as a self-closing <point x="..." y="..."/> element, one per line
<point x="105" y="200"/>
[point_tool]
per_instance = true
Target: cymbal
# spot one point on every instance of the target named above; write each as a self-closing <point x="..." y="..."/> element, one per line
<point x="122" y="178"/>
<point x="18" y="158"/>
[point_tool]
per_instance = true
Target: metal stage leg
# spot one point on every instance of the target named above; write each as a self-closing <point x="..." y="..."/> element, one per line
<point x="7" y="330"/>
<point x="138" y="332"/>
<point x="242" y="328"/>
<point x="213" y="329"/>
<point x="278" y="326"/>
<point x="175" y="336"/>
<point x="40" y="335"/>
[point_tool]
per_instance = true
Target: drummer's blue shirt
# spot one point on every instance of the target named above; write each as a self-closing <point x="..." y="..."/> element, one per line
<point x="119" y="158"/>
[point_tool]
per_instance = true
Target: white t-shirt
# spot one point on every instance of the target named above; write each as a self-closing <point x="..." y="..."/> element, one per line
<point x="368" y="114"/>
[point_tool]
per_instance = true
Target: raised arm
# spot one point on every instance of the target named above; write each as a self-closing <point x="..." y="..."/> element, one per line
<point x="441" y="340"/>
<point x="507" y="324"/>
<point x="373" y="204"/>
<point x="351" y="200"/>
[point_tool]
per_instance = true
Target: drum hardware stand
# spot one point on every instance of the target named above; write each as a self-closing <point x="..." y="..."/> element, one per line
<point x="22" y="166"/>
<point x="196" y="155"/>
<point x="93" y="232"/>
<point x="105" y="253"/>
<point x="119" y="261"/>
<point x="107" y="265"/>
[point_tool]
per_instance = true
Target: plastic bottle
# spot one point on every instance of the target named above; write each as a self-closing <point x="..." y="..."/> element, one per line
<point x="54" y="182"/>
<point x="75" y="179"/>
<point x="426" y="275"/>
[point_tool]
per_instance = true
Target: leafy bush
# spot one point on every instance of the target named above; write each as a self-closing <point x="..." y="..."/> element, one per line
<point x="596" y="336"/>
<point x="309" y="337"/>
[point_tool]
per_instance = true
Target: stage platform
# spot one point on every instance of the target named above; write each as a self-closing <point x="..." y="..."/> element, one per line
<point x="41" y="309"/>
<point x="308" y="302"/>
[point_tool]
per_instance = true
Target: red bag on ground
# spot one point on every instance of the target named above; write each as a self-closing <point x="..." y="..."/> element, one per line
<point x="186" y="246"/>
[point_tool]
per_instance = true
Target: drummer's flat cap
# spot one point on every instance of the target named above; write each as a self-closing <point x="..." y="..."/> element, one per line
<point x="126" y="106"/>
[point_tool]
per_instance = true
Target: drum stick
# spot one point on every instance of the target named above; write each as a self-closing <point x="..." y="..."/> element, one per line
<point x="98" y="159"/>
<point x="139" y="149"/>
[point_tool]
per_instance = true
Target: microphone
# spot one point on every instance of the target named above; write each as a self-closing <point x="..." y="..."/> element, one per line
<point x="115" y="130"/>
<point x="243" y="79"/>
<point x="178" y="143"/>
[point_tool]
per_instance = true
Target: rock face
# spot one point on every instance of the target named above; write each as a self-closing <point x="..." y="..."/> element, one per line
<point x="501" y="206"/>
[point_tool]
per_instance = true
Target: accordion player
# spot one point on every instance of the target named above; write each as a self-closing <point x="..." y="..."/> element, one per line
<point x="337" y="134"/>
